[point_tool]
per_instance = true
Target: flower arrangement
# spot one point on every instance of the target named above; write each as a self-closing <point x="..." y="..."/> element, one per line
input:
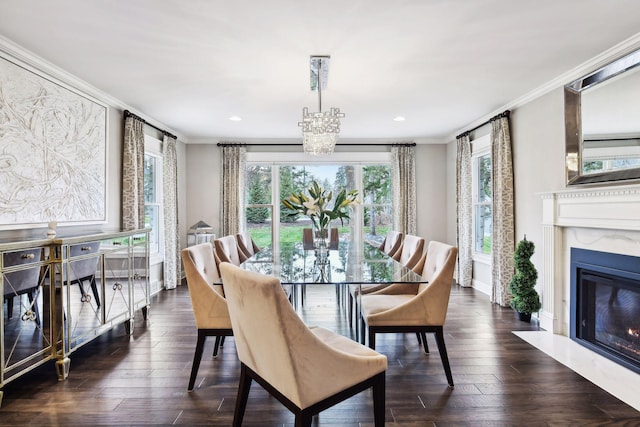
<point x="316" y="205"/>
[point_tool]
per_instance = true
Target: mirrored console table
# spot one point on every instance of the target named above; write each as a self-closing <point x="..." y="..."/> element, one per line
<point x="59" y="293"/>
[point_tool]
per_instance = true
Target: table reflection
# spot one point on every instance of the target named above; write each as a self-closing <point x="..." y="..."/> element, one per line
<point x="351" y="263"/>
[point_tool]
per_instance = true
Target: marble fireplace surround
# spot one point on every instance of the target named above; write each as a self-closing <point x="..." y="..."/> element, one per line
<point x="602" y="219"/>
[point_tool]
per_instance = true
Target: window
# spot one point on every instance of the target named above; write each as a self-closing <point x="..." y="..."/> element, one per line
<point x="270" y="180"/>
<point x="482" y="195"/>
<point x="153" y="194"/>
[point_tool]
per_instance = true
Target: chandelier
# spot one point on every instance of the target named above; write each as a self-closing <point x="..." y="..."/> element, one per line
<point x="320" y="130"/>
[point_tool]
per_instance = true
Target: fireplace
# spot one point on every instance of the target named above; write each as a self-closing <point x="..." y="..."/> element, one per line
<point x="605" y="301"/>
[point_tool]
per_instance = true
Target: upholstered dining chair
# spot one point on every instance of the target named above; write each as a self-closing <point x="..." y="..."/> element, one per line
<point x="228" y="251"/>
<point x="23" y="281"/>
<point x="246" y="245"/>
<point x="422" y="308"/>
<point x="391" y="243"/>
<point x="410" y="251"/>
<point x="308" y="369"/>
<point x="84" y="270"/>
<point x="209" y="305"/>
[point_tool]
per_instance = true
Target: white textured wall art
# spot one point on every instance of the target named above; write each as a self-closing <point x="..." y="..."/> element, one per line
<point x="52" y="152"/>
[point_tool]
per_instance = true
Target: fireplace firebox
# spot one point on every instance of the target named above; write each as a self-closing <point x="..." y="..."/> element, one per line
<point x="605" y="304"/>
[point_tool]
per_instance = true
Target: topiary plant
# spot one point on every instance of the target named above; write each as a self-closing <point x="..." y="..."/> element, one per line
<point x="525" y="298"/>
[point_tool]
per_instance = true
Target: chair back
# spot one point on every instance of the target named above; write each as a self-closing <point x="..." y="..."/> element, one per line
<point x="273" y="341"/>
<point x="411" y="250"/>
<point x="21" y="281"/>
<point x="83" y="268"/>
<point x="439" y="266"/>
<point x="246" y="244"/>
<point x="227" y="250"/>
<point x="391" y="243"/>
<point x="307" y="238"/>
<point x="209" y="305"/>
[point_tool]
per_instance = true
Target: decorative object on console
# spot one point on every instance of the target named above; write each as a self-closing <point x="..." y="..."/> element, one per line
<point x="316" y="207"/>
<point x="525" y="298"/>
<point x="320" y="130"/>
<point x="51" y="232"/>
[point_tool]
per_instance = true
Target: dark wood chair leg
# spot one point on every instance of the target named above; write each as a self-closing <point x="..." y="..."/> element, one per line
<point x="196" y="359"/>
<point x="94" y="289"/>
<point x="303" y="419"/>
<point x="425" y="345"/>
<point x="372" y="338"/>
<point x="350" y="310"/>
<point x="9" y="306"/>
<point x="222" y="341"/>
<point x="216" y="346"/>
<point x="443" y="354"/>
<point x="33" y="302"/>
<point x="243" y="395"/>
<point x="379" y="400"/>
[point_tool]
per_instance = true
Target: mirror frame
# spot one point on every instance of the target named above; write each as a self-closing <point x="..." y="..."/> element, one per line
<point x="573" y="123"/>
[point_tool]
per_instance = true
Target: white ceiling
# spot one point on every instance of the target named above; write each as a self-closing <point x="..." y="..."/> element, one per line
<point x="442" y="64"/>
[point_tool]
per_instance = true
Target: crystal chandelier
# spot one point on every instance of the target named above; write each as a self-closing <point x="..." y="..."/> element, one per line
<point x="320" y="130"/>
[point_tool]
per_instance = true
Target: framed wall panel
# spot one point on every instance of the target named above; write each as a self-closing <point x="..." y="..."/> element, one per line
<point x="52" y="151"/>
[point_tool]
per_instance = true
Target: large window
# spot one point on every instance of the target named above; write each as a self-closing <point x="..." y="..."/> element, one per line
<point x="153" y="193"/>
<point x="482" y="195"/>
<point x="267" y="183"/>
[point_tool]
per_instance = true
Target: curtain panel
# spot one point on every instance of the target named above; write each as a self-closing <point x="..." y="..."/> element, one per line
<point x="233" y="176"/>
<point x="465" y="210"/>
<point x="403" y="171"/>
<point x="172" y="267"/>
<point x="503" y="242"/>
<point x="133" y="174"/>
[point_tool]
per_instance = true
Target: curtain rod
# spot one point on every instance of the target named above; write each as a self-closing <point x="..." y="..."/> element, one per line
<point x="241" y="144"/>
<point x="128" y="113"/>
<point x="497" y="116"/>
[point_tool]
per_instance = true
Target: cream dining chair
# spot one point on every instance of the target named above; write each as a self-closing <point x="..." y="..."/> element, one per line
<point x="401" y="308"/>
<point x="246" y="245"/>
<point x="410" y="251"/>
<point x="308" y="369"/>
<point x="209" y="305"/>
<point x="227" y="250"/>
<point x="391" y="243"/>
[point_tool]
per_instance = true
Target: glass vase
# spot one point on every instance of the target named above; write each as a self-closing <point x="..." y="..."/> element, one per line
<point x="320" y="243"/>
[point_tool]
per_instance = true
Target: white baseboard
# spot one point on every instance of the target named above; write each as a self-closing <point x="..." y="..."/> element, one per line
<point x="481" y="286"/>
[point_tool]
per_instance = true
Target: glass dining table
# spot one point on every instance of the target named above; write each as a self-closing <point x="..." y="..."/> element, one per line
<point x="352" y="263"/>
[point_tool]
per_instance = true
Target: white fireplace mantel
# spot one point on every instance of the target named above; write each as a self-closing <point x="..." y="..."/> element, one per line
<point x="605" y="219"/>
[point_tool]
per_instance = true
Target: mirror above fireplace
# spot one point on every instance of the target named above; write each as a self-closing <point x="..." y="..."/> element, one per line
<point x="602" y="124"/>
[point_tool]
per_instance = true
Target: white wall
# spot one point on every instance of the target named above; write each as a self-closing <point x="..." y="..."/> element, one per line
<point x="204" y="174"/>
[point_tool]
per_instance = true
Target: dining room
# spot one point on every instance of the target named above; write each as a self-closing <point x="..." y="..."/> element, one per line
<point x="131" y="132"/>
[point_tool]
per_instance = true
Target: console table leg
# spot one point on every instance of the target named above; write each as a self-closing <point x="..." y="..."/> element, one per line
<point x="62" y="368"/>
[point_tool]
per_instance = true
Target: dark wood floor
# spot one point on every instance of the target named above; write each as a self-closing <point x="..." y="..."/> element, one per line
<point x="142" y="380"/>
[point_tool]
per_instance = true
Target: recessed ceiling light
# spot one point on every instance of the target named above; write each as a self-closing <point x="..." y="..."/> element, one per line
<point x="235" y="118"/>
<point x="398" y="119"/>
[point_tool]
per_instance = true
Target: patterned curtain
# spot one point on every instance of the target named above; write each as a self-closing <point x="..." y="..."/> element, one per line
<point x="403" y="177"/>
<point x="233" y="172"/>
<point x="465" y="211"/>
<point x="503" y="244"/>
<point x="133" y="174"/>
<point x="172" y="273"/>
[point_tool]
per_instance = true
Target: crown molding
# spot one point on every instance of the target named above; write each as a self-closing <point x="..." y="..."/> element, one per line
<point x="617" y="51"/>
<point x="29" y="60"/>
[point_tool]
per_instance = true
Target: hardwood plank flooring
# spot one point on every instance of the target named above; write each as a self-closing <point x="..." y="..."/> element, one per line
<point x="142" y="380"/>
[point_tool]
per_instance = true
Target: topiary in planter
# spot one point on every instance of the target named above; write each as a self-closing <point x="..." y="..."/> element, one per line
<point x="525" y="298"/>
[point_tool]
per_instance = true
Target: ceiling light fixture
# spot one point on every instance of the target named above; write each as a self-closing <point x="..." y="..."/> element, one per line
<point x="398" y="119"/>
<point x="235" y="118"/>
<point x="320" y="130"/>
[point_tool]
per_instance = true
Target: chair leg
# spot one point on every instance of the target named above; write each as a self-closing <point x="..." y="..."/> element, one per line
<point x="94" y="289"/>
<point x="303" y="419"/>
<point x="33" y="301"/>
<point x="9" y="306"/>
<point x="243" y="395"/>
<point x="350" y="310"/>
<point x="379" y="400"/>
<point x="222" y="341"/>
<point x="372" y="338"/>
<point x="443" y="354"/>
<point x="216" y="346"/>
<point x="425" y="345"/>
<point x="196" y="359"/>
